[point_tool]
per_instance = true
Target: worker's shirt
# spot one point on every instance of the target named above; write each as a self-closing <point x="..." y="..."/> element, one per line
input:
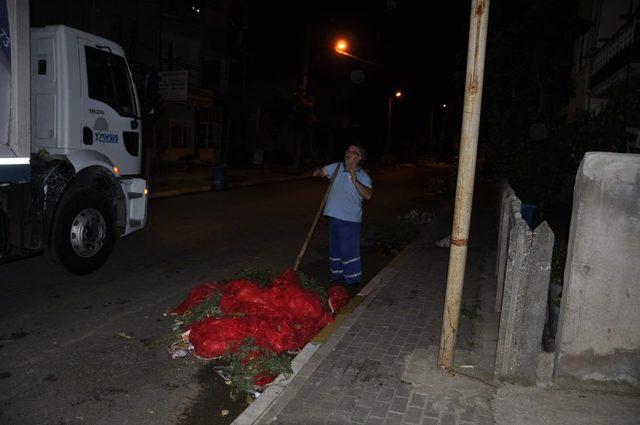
<point x="344" y="202"/>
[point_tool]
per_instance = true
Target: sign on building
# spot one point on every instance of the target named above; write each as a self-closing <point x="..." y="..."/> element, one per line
<point x="173" y="85"/>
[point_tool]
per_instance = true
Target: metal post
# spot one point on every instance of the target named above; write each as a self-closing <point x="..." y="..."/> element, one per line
<point x="466" y="173"/>
<point x="430" y="150"/>
<point x="305" y="67"/>
<point x="388" y="139"/>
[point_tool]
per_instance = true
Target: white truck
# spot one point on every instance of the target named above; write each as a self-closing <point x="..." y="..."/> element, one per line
<point x="70" y="143"/>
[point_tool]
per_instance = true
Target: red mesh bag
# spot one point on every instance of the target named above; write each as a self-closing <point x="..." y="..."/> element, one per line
<point x="197" y="296"/>
<point x="212" y="337"/>
<point x="304" y="306"/>
<point x="277" y="334"/>
<point x="338" y="297"/>
<point x="244" y="296"/>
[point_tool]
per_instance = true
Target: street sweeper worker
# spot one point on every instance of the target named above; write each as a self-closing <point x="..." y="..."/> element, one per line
<point x="344" y="209"/>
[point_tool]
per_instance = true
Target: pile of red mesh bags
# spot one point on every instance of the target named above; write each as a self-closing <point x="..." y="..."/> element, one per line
<point x="281" y="316"/>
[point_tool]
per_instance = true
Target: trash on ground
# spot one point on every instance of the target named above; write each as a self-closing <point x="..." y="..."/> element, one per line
<point x="444" y="242"/>
<point x="418" y="217"/>
<point x="254" y="328"/>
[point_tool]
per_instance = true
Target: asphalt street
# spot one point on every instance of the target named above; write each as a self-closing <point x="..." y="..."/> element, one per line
<point x="92" y="349"/>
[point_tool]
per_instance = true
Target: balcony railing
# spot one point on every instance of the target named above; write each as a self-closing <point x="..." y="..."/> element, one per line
<point x="622" y="39"/>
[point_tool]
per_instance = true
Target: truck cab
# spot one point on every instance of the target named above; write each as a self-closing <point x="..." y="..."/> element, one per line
<point x="79" y="191"/>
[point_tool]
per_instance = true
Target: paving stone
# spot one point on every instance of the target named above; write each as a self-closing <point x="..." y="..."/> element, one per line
<point x="311" y="395"/>
<point x="430" y="421"/>
<point x="429" y="410"/>
<point x="374" y="421"/>
<point x="369" y="345"/>
<point x="403" y="390"/>
<point x="388" y="359"/>
<point x="417" y="400"/>
<point x="399" y="404"/>
<point x="448" y="419"/>
<point x="380" y="410"/>
<point x="285" y="417"/>
<point x="337" y="418"/>
<point x="347" y="403"/>
<point x="413" y="415"/>
<point x="377" y="354"/>
<point x="393" y="419"/>
<point x="449" y="405"/>
<point x="356" y="389"/>
<point x="386" y="394"/>
<point x="317" y="420"/>
<point x="467" y="413"/>
<point x="394" y="350"/>
<point x="359" y="415"/>
<point x="368" y="401"/>
<point x="485" y="420"/>
<point x="329" y="404"/>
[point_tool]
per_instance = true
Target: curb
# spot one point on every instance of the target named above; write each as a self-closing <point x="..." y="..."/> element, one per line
<point x="207" y="188"/>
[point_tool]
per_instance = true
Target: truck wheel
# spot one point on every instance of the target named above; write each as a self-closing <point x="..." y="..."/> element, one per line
<point x="84" y="233"/>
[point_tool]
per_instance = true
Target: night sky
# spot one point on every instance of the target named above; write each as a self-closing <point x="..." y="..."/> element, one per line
<point x="418" y="50"/>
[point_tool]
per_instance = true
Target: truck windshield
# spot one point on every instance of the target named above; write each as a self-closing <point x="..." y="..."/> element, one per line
<point x="109" y="81"/>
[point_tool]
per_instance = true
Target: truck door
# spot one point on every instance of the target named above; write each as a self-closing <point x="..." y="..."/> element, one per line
<point x="110" y="118"/>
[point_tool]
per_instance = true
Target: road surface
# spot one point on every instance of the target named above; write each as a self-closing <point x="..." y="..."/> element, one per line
<point x="92" y="349"/>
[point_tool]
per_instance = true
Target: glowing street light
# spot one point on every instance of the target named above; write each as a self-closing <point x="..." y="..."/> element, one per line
<point x="341" y="46"/>
<point x="398" y="94"/>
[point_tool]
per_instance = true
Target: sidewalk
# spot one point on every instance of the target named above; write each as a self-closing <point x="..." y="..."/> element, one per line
<point x="378" y="365"/>
<point x="175" y="181"/>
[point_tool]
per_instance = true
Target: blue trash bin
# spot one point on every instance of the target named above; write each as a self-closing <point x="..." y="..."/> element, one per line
<point x="528" y="212"/>
<point x="217" y="176"/>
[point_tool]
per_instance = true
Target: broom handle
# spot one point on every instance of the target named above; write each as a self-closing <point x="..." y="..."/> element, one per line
<point x="315" y="221"/>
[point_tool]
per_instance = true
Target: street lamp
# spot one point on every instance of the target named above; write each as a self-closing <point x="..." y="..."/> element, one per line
<point x="341" y="46"/>
<point x="396" y="96"/>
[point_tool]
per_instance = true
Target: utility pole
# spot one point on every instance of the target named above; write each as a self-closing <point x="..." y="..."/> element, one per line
<point x="466" y="175"/>
<point x="305" y="67"/>
<point x="303" y="89"/>
<point x="430" y="150"/>
<point x="388" y="139"/>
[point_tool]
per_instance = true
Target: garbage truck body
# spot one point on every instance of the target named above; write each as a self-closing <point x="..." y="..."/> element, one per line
<point x="70" y="143"/>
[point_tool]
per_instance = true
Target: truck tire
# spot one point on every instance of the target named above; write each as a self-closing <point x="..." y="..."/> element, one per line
<point x="84" y="232"/>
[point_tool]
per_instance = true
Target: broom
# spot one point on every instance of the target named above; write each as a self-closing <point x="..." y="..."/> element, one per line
<point x="312" y="230"/>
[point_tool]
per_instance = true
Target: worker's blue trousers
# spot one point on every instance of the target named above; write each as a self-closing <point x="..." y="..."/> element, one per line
<point x="344" y="251"/>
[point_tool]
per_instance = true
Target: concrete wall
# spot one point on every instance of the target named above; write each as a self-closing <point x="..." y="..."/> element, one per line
<point x="524" y="266"/>
<point x="598" y="340"/>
